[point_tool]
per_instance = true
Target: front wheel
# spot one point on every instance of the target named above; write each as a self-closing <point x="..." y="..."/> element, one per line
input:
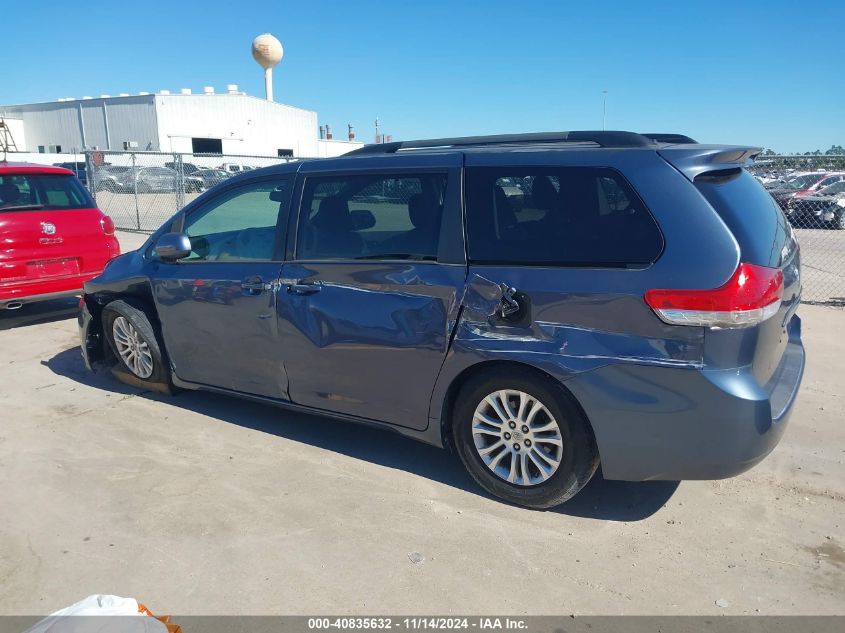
<point x="523" y="438"/>
<point x="133" y="340"/>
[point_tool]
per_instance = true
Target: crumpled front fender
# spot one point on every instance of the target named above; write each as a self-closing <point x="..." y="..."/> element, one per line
<point x="91" y="339"/>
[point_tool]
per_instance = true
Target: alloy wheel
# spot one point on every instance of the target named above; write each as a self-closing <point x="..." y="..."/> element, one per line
<point x="517" y="437"/>
<point x="133" y="349"/>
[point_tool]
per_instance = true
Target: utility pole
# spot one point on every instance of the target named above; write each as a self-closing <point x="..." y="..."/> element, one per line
<point x="604" y="110"/>
<point x="377" y="138"/>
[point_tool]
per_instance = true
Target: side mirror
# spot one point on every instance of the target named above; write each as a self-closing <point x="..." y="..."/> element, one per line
<point x="362" y="219"/>
<point x="172" y="247"/>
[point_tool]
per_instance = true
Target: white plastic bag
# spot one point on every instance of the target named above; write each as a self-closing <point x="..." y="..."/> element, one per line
<point x="100" y="614"/>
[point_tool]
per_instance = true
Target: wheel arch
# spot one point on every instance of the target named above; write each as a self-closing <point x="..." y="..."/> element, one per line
<point x="482" y="367"/>
<point x="138" y="295"/>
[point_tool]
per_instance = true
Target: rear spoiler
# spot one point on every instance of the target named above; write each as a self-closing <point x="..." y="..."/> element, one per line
<point x="693" y="160"/>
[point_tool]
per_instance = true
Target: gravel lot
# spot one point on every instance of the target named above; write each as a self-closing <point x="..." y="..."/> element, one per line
<point x="201" y="504"/>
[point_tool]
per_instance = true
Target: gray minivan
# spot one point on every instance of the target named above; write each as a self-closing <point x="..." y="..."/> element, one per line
<point x="542" y="303"/>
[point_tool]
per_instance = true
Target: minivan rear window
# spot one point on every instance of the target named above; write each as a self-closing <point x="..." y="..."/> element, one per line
<point x="558" y="216"/>
<point x="23" y="192"/>
<point x="751" y="213"/>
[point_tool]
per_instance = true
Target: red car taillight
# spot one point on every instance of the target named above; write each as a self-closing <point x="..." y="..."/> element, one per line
<point x="751" y="295"/>
<point x="108" y="225"/>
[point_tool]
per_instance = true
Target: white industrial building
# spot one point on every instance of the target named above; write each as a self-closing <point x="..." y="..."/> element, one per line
<point x="231" y="122"/>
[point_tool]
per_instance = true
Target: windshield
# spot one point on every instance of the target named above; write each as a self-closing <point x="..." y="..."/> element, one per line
<point x="19" y="192"/>
<point x="802" y="182"/>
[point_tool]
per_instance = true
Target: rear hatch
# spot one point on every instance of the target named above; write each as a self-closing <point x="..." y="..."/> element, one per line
<point x="765" y="240"/>
<point x="49" y="228"/>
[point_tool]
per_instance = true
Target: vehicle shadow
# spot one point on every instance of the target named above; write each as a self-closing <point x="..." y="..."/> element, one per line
<point x="37" y="313"/>
<point x="600" y="499"/>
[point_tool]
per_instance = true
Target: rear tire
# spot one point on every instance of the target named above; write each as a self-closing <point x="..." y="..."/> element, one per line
<point x="544" y="459"/>
<point x="134" y="341"/>
<point x="839" y="220"/>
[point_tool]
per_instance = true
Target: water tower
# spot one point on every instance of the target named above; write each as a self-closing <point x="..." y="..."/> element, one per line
<point x="267" y="51"/>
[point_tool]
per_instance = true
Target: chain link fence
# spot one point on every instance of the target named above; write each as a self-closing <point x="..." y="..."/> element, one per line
<point x="141" y="190"/>
<point x="810" y="189"/>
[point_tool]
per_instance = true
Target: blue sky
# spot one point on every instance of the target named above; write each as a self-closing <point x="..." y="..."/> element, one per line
<point x="763" y="73"/>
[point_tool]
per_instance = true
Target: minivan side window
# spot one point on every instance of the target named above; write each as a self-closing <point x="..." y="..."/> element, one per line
<point x="239" y="225"/>
<point x="371" y="217"/>
<point x="558" y="216"/>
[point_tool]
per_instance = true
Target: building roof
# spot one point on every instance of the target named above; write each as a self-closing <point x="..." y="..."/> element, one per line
<point x="147" y="96"/>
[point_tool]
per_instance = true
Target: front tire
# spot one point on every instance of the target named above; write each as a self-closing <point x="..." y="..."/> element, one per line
<point x="523" y="438"/>
<point x="134" y="342"/>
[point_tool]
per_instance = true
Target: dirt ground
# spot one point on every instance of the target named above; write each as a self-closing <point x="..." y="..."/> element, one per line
<point x="201" y="504"/>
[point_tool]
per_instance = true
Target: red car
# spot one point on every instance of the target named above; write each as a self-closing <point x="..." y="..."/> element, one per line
<point x="52" y="236"/>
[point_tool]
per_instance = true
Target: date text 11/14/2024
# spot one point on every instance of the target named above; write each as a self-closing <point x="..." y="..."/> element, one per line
<point x="417" y="623"/>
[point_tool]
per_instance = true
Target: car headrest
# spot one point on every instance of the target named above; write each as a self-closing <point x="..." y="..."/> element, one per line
<point x="333" y="215"/>
<point x="9" y="192"/>
<point x="544" y="194"/>
<point x="423" y="210"/>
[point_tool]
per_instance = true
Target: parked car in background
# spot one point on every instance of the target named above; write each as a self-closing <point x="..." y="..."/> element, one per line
<point x="825" y="207"/>
<point x="54" y="237"/>
<point x="535" y="301"/>
<point x="78" y="168"/>
<point x="107" y="177"/>
<point x="193" y="183"/>
<point x="148" y="180"/>
<point x="236" y="168"/>
<point x="145" y="180"/>
<point x="211" y="177"/>
<point x="803" y="185"/>
<point x="187" y="168"/>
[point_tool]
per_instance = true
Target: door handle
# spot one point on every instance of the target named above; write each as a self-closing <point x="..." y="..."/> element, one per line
<point x="309" y="288"/>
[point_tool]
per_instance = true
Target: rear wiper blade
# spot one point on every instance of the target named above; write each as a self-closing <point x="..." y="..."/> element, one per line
<point x="23" y="207"/>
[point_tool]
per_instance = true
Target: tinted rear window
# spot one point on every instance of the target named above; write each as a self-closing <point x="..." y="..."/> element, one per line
<point x="558" y="216"/>
<point x="751" y="213"/>
<point x="21" y="192"/>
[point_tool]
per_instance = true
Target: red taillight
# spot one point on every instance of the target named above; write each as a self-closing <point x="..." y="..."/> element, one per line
<point x="751" y="295"/>
<point x="108" y="225"/>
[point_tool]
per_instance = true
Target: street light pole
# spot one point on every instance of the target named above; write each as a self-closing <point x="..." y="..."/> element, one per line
<point x="604" y="109"/>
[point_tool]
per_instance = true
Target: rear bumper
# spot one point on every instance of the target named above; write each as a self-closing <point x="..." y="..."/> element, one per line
<point x="673" y="424"/>
<point x="15" y="301"/>
<point x="43" y="289"/>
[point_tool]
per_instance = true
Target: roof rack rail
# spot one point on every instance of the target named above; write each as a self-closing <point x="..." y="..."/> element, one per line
<point x="669" y="137"/>
<point x="603" y="138"/>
